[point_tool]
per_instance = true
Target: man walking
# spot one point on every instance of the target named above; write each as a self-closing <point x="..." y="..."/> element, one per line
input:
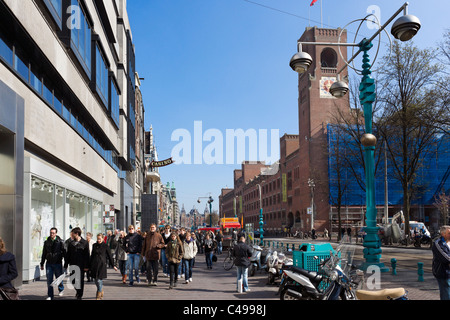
<point x="78" y="256"/>
<point x="53" y="252"/>
<point x="151" y="250"/>
<point x="242" y="253"/>
<point x="441" y="262"/>
<point x="133" y="244"/>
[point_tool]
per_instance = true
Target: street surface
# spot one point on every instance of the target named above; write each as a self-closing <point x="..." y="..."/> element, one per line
<point x="220" y="285"/>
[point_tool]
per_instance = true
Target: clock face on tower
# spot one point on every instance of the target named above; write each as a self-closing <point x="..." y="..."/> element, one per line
<point x="325" y="85"/>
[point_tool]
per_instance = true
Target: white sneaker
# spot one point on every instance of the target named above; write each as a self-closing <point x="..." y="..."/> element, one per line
<point x="48" y="298"/>
<point x="190" y="279"/>
<point x="61" y="293"/>
<point x="165" y="274"/>
<point x="187" y="281"/>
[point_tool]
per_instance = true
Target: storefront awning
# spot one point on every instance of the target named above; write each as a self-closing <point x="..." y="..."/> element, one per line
<point x="231" y="225"/>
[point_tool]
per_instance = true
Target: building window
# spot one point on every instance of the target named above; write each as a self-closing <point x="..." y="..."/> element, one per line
<point x="81" y="38"/>
<point x="101" y="76"/>
<point x="6" y="51"/>
<point x="57" y="104"/>
<point x="55" y="8"/>
<point x="115" y="104"/>
<point x="48" y="93"/>
<point x="35" y="80"/>
<point x="21" y="66"/>
<point x="132" y="115"/>
<point x="328" y="58"/>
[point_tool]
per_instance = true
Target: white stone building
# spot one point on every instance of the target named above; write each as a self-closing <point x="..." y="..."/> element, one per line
<point x="67" y="122"/>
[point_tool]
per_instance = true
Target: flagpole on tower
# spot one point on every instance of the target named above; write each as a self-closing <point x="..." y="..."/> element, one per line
<point x="321" y="14"/>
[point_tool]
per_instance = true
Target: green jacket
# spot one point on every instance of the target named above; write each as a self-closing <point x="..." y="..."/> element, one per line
<point x="174" y="251"/>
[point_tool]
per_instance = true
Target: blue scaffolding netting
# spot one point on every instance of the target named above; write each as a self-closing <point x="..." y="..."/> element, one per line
<point x="345" y="169"/>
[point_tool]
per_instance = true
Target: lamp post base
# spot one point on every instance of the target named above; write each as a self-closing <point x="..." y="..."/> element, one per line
<point x="366" y="265"/>
<point x="372" y="250"/>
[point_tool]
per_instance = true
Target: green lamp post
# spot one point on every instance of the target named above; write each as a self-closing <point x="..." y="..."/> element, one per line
<point x="261" y="218"/>
<point x="404" y="29"/>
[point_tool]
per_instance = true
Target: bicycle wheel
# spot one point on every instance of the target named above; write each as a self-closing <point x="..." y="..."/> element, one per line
<point x="228" y="263"/>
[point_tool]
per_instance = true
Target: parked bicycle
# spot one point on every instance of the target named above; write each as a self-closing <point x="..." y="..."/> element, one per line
<point x="228" y="263"/>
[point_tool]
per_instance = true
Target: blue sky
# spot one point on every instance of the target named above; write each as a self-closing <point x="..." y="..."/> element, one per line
<point x="226" y="63"/>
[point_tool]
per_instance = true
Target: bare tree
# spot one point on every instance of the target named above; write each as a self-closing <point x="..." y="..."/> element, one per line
<point x="407" y="81"/>
<point x="441" y="92"/>
<point x="442" y="202"/>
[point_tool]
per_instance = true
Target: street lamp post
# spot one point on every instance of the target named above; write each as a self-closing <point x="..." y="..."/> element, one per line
<point x="210" y="201"/>
<point x="312" y="185"/>
<point x="261" y="217"/>
<point x="403" y="29"/>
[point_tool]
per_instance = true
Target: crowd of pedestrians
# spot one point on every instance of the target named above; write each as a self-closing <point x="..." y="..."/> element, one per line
<point x="134" y="254"/>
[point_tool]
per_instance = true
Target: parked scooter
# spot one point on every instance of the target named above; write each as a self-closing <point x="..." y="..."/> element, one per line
<point x="275" y="263"/>
<point x="330" y="283"/>
<point x="257" y="260"/>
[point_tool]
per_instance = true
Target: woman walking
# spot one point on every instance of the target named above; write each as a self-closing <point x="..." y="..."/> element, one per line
<point x="209" y="248"/>
<point x="121" y="255"/>
<point x="8" y="272"/>
<point x="166" y="238"/>
<point x="190" y="251"/>
<point x="174" y="253"/>
<point x="100" y="252"/>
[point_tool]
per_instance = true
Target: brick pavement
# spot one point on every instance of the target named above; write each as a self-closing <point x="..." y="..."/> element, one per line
<point x="215" y="284"/>
<point x="218" y="284"/>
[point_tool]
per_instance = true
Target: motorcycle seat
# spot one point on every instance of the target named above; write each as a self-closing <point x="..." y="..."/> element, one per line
<point x="312" y="275"/>
<point x="386" y="294"/>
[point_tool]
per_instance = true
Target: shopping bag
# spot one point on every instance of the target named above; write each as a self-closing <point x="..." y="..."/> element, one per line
<point x="9" y="294"/>
<point x="58" y="280"/>
<point x="240" y="286"/>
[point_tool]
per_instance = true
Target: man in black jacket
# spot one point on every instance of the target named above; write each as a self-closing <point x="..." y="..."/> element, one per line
<point x="242" y="253"/>
<point x="53" y="252"/>
<point x="441" y="262"/>
<point x="78" y="258"/>
<point x="133" y="244"/>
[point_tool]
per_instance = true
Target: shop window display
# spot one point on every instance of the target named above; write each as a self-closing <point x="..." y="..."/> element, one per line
<point x="41" y="215"/>
<point x="77" y="209"/>
<point x="97" y="217"/>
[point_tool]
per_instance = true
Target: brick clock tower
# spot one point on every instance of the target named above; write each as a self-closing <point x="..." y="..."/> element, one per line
<point x="316" y="107"/>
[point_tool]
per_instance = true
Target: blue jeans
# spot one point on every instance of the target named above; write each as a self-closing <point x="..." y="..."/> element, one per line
<point x="165" y="264"/>
<point x="242" y="273"/>
<point x="50" y="271"/>
<point x="208" y="256"/>
<point x="188" y="264"/>
<point x="219" y="247"/>
<point x="99" y="284"/>
<point x="133" y="264"/>
<point x="444" y="288"/>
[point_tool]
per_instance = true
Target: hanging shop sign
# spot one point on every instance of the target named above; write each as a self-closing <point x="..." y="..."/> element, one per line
<point x="158" y="164"/>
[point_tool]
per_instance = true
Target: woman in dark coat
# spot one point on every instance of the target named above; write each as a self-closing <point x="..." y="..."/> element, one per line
<point x="100" y="252"/>
<point x="174" y="253"/>
<point x="8" y="269"/>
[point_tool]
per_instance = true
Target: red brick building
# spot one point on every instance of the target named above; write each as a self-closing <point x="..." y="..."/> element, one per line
<point x="286" y="194"/>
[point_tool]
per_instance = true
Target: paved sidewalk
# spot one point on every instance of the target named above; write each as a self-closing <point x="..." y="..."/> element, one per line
<point x="218" y="284"/>
<point x="215" y="284"/>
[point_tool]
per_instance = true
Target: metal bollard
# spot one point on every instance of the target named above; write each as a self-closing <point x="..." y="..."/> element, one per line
<point x="394" y="266"/>
<point x="420" y="271"/>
